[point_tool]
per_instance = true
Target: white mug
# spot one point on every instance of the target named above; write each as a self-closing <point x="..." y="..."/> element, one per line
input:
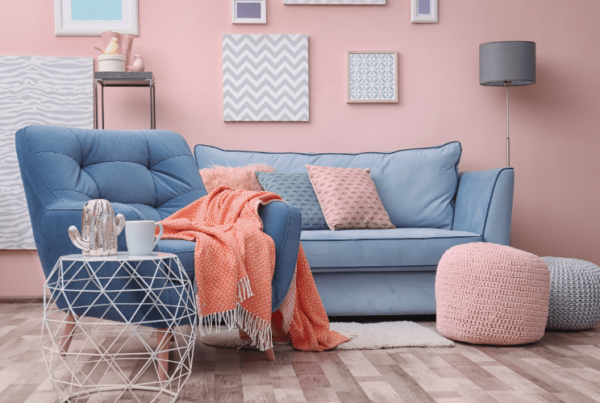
<point x="140" y="237"/>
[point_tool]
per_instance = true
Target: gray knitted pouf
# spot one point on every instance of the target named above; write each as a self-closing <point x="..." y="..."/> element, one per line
<point x="574" y="294"/>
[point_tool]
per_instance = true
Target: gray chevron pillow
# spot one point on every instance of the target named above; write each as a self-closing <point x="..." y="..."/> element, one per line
<point x="296" y="190"/>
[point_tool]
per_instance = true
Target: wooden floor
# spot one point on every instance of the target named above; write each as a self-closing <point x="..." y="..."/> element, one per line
<point x="563" y="367"/>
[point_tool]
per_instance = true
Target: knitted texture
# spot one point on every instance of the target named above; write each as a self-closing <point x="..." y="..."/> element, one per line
<point x="234" y="261"/>
<point x="233" y="177"/>
<point x="491" y="294"/>
<point x="574" y="294"/>
<point x="348" y="198"/>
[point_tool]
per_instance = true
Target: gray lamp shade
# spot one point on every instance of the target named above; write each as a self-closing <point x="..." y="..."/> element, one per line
<point x="502" y="63"/>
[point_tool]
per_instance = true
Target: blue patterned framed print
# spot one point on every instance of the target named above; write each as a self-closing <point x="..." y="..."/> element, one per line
<point x="372" y="77"/>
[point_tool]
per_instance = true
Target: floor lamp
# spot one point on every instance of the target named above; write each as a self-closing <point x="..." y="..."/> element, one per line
<point x="507" y="64"/>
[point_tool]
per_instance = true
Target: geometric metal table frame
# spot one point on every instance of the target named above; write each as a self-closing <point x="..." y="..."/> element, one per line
<point x="86" y="355"/>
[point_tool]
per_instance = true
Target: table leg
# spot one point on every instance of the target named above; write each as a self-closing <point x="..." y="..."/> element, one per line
<point x="102" y="107"/>
<point x="68" y="333"/>
<point x="163" y="338"/>
<point x="96" y="104"/>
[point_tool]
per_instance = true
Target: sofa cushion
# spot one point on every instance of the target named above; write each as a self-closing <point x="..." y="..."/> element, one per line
<point x="400" y="249"/>
<point x="416" y="186"/>
<point x="297" y="190"/>
<point x="348" y="198"/>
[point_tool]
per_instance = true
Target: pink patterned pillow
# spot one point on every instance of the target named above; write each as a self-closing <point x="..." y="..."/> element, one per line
<point x="348" y="198"/>
<point x="233" y="177"/>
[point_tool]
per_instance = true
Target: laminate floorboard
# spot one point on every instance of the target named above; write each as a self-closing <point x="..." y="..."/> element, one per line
<point x="564" y="367"/>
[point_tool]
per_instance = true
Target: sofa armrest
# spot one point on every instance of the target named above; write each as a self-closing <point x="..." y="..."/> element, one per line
<point x="56" y="222"/>
<point x="484" y="203"/>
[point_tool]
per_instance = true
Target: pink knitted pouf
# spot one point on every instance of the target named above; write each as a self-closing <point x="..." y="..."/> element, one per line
<point x="492" y="294"/>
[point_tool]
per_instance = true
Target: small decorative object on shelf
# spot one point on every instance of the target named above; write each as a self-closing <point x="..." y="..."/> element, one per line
<point x="116" y="53"/>
<point x="137" y="65"/>
<point x="99" y="229"/>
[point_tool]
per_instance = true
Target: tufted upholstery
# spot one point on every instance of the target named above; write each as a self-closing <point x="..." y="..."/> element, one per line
<point x="144" y="174"/>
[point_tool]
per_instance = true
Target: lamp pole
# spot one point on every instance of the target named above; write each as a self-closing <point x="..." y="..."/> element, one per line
<point x="507" y="85"/>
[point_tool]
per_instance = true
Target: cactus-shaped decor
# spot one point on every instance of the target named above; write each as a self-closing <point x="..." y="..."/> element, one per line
<point x="99" y="229"/>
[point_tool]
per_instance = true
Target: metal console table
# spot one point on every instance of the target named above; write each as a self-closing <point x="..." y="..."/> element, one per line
<point x="124" y="79"/>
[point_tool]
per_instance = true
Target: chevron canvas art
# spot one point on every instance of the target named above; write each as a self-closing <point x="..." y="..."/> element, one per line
<point x="337" y="2"/>
<point x="265" y="78"/>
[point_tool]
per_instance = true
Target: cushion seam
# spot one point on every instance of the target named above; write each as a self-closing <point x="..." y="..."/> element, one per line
<point x="389" y="239"/>
<point x="316" y="154"/>
<point x="166" y="159"/>
<point x="152" y="176"/>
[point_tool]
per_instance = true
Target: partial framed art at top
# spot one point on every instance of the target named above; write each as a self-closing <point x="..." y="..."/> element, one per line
<point x="265" y="78"/>
<point x="93" y="17"/>
<point x="372" y="77"/>
<point x="337" y="2"/>
<point x="424" y="11"/>
<point x="249" y="11"/>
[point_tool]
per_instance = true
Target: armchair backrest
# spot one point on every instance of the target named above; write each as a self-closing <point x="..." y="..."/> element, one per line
<point x="151" y="173"/>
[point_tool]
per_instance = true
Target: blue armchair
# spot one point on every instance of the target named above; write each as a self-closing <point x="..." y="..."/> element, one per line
<point x="146" y="175"/>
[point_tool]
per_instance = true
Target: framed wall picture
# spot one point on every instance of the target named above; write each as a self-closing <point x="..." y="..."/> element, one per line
<point x="372" y="77"/>
<point x="249" y="11"/>
<point x="265" y="78"/>
<point x="424" y="11"/>
<point x="337" y="2"/>
<point x="93" y="17"/>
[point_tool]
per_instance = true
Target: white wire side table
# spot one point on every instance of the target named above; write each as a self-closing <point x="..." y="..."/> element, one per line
<point x="120" y="326"/>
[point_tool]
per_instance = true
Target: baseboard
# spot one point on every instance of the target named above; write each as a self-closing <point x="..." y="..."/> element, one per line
<point x="21" y="300"/>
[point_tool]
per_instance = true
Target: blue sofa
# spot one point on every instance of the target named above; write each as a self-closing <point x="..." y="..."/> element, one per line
<point x="392" y="272"/>
<point x="152" y="174"/>
<point x="146" y="175"/>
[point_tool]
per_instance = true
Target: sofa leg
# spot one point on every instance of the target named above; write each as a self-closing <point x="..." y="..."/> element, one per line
<point x="68" y="333"/>
<point x="270" y="354"/>
<point x="163" y="337"/>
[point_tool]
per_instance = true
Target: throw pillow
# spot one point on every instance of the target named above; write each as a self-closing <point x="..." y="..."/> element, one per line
<point x="348" y="198"/>
<point x="296" y="190"/>
<point x="233" y="177"/>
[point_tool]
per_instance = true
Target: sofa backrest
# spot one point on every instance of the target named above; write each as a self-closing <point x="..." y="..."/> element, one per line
<point x="416" y="186"/>
<point x="152" y="171"/>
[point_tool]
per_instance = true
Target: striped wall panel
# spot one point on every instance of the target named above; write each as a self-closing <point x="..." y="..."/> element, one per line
<point x="54" y="91"/>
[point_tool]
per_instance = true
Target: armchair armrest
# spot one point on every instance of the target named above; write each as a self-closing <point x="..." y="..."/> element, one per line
<point x="283" y="223"/>
<point x="484" y="203"/>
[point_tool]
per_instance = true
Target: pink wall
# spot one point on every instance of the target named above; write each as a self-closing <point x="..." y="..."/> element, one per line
<point x="554" y="123"/>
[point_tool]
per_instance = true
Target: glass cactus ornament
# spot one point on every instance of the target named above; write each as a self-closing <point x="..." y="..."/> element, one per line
<point x="99" y="229"/>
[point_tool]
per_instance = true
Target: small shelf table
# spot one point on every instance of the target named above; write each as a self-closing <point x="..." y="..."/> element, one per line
<point x="124" y="79"/>
<point x="102" y="339"/>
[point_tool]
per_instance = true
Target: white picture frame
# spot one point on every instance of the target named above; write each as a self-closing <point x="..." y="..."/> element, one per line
<point x="372" y="79"/>
<point x="337" y="2"/>
<point x="64" y="25"/>
<point x="419" y="15"/>
<point x="235" y="12"/>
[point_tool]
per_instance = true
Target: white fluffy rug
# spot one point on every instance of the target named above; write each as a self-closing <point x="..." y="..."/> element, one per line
<point x="370" y="336"/>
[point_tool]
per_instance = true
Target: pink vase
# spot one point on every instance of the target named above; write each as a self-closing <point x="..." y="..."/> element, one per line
<point x="126" y="49"/>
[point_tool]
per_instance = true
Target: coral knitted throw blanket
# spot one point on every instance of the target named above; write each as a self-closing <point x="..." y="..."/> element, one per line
<point x="234" y="264"/>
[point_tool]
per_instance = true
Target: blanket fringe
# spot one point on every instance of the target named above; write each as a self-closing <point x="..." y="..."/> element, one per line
<point x="257" y="328"/>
